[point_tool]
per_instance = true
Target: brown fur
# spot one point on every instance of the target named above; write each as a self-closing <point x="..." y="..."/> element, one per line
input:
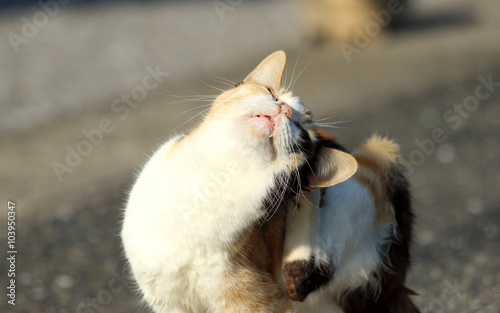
<point x="251" y="284"/>
<point x="373" y="179"/>
<point x="303" y="277"/>
<point x="376" y="158"/>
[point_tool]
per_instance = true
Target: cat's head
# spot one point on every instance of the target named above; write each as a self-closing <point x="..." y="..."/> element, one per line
<point x="270" y="126"/>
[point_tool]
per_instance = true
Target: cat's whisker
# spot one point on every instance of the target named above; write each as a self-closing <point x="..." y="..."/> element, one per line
<point x="189" y="120"/>
<point x="189" y="100"/>
<point x="312" y="205"/>
<point x="192" y="109"/>
<point x="195" y="97"/>
<point x="324" y="118"/>
<point x="332" y="126"/>
<point x="208" y="85"/>
<point x="333" y="122"/>
<point x="288" y="88"/>
<point x="277" y="198"/>
<point x="298" y="76"/>
<point x="283" y="83"/>
<point x="223" y="80"/>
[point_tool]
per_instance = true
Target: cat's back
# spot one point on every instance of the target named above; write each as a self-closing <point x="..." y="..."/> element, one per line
<point x="149" y="193"/>
<point x="147" y="223"/>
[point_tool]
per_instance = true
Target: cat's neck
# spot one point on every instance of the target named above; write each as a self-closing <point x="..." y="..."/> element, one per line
<point x="229" y="188"/>
<point x="210" y="144"/>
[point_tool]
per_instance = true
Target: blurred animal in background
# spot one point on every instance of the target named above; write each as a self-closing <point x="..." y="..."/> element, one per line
<point x="336" y="21"/>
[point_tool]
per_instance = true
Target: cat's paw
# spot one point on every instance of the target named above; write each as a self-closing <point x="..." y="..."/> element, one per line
<point x="305" y="276"/>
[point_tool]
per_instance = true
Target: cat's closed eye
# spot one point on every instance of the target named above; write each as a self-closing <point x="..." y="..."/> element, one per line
<point x="272" y="94"/>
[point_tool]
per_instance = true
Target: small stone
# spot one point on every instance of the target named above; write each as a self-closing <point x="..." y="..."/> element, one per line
<point x="474" y="205"/>
<point x="94" y="237"/>
<point x="491" y="231"/>
<point x="64" y="281"/>
<point x="446" y="153"/>
<point x="425" y="237"/>
<point x="39" y="293"/>
<point x="430" y="117"/>
<point x="25" y="278"/>
<point x="480" y="258"/>
<point x="435" y="273"/>
<point x="488" y="280"/>
<point x="457" y="243"/>
<point x="470" y="269"/>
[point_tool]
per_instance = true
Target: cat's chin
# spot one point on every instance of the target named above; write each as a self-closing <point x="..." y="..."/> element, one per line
<point x="262" y="125"/>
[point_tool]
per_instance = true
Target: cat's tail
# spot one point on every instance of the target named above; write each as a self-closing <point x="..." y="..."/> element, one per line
<point x="381" y="170"/>
<point x="379" y="154"/>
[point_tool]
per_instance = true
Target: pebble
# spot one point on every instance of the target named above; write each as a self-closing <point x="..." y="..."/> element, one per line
<point x="474" y="205"/>
<point x="446" y="153"/>
<point x="64" y="281"/>
<point x="491" y="231"/>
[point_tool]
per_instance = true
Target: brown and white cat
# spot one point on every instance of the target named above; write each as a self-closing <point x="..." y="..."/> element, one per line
<point x="205" y="221"/>
<point x="211" y="223"/>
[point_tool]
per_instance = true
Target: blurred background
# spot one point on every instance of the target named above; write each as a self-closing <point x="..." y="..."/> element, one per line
<point x="88" y="89"/>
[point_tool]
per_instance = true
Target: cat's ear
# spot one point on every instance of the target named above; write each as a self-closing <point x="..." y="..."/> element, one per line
<point x="331" y="167"/>
<point x="269" y="72"/>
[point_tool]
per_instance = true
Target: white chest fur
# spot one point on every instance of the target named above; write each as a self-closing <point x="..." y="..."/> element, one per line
<point x="182" y="215"/>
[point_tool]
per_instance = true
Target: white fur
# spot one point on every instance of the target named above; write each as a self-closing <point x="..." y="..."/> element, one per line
<point x="347" y="233"/>
<point x="194" y="198"/>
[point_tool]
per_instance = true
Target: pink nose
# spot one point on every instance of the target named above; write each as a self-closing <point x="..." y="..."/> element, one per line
<point x="285" y="109"/>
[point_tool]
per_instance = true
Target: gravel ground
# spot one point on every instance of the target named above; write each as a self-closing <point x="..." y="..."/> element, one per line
<point x="69" y="257"/>
<point x="73" y="260"/>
